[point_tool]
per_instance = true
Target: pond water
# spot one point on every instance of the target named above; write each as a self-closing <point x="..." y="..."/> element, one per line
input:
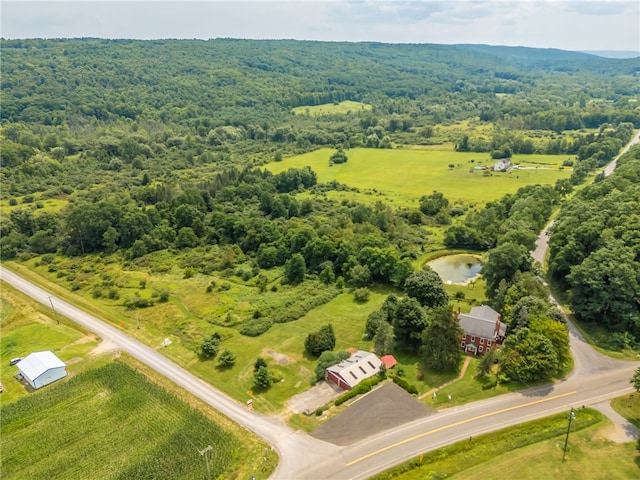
<point x="457" y="268"/>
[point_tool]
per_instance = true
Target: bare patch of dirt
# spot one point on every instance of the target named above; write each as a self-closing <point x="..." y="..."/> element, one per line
<point x="104" y="346"/>
<point x="281" y="358"/>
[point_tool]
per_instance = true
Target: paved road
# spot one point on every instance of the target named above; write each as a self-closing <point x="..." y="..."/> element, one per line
<point x="542" y="242"/>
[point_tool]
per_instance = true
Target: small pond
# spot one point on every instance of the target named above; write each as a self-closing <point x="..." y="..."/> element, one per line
<point x="457" y="268"/>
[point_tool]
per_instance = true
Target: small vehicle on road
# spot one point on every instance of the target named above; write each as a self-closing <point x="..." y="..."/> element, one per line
<point x="13" y="361"/>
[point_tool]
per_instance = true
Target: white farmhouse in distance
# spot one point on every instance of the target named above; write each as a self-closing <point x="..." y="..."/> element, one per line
<point x="42" y="368"/>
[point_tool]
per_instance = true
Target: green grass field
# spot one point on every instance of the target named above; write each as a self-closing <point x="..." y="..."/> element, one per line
<point x="403" y="176"/>
<point x="530" y="451"/>
<point x="111" y="422"/>
<point x="341" y="108"/>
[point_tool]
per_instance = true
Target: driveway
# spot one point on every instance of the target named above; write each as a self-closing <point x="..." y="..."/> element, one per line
<point x="317" y="396"/>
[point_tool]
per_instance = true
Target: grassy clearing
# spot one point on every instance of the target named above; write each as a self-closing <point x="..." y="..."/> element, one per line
<point x="343" y="108"/>
<point x="161" y="441"/>
<point x="531" y="450"/>
<point x="52" y="205"/>
<point x="405" y="175"/>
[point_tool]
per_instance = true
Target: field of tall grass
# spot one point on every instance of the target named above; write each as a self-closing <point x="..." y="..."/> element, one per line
<point x="402" y="176"/>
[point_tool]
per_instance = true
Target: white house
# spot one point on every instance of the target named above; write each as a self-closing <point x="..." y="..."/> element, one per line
<point x="41" y="368"/>
<point x="348" y="373"/>
<point x="502" y="165"/>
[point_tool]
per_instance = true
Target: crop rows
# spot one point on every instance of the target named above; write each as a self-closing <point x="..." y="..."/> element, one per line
<point x="110" y="423"/>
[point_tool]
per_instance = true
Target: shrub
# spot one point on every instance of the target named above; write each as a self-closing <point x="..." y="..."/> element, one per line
<point x="361" y="295"/>
<point x="137" y="302"/>
<point x="13" y="202"/>
<point x="320" y="341"/>
<point x="256" y="327"/>
<point x="401" y="382"/>
<point x="363" y="387"/>
<point x="227" y="358"/>
<point x="210" y="345"/>
<point x="164" y="296"/>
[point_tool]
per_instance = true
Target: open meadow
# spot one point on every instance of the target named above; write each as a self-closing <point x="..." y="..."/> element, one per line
<point x="402" y="176"/>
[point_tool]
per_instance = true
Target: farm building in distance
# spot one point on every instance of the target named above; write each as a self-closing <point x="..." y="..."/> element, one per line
<point x="348" y="373"/>
<point x="482" y="328"/>
<point x="41" y="368"/>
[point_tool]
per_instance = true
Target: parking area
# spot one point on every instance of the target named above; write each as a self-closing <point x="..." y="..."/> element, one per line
<point x="383" y="408"/>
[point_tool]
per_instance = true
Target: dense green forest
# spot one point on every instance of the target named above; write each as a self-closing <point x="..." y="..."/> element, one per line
<point x="157" y="145"/>
<point x="595" y="252"/>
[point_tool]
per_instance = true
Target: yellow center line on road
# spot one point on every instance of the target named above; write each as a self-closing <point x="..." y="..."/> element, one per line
<point x="461" y="422"/>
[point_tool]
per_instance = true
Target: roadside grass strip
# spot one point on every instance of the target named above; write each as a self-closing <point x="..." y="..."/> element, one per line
<point x="463" y="458"/>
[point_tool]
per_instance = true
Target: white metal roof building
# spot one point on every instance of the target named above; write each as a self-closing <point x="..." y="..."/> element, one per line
<point x="348" y="373"/>
<point x="41" y="368"/>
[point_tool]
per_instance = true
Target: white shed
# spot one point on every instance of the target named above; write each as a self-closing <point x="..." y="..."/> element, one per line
<point x="42" y="368"/>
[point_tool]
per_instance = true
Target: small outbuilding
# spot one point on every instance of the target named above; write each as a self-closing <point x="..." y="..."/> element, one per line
<point x="41" y="368"/>
<point x="348" y="373"/>
<point x="389" y="361"/>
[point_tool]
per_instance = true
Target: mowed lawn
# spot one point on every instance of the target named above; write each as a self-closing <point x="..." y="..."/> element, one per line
<point x="405" y="175"/>
<point x="111" y="422"/>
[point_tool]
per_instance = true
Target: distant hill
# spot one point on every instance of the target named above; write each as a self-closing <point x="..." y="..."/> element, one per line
<point x="613" y="53"/>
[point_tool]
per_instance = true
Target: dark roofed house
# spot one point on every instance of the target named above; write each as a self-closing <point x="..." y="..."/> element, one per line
<point x="482" y="328"/>
<point x="348" y="373"/>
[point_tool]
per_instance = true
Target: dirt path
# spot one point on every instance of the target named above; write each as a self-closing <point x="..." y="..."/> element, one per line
<point x="467" y="360"/>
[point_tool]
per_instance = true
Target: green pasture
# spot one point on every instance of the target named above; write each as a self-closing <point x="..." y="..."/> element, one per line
<point x="406" y="175"/>
<point x="111" y="422"/>
<point x="342" y="108"/>
<point x="532" y="450"/>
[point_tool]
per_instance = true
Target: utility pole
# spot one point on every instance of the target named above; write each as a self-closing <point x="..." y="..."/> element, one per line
<point x="55" y="315"/>
<point x="204" y="453"/>
<point x="572" y="415"/>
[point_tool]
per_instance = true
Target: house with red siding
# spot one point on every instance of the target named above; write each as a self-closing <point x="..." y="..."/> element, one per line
<point x="348" y="373"/>
<point x="482" y="329"/>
